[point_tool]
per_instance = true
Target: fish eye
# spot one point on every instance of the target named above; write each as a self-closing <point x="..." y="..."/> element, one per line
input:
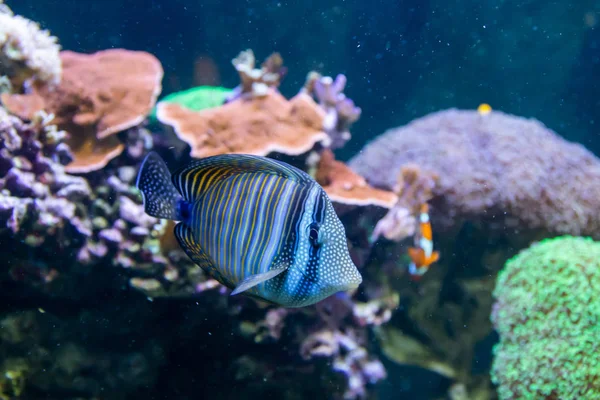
<point x="313" y="234"/>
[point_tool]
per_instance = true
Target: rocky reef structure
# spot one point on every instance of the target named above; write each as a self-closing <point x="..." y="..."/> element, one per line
<point x="347" y="187"/>
<point x="259" y="125"/>
<point x="97" y="300"/>
<point x="546" y="311"/>
<point x="414" y="188"/>
<point x="99" y="96"/>
<point x="38" y="198"/>
<point x="340" y="111"/>
<point x="110" y="249"/>
<point x="28" y="54"/>
<point x="263" y="120"/>
<point x="255" y="82"/>
<point x="257" y="119"/>
<point x="494" y="181"/>
<point x="497" y="168"/>
<point x="62" y="236"/>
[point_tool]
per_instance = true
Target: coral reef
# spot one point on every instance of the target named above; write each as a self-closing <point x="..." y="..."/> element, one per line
<point x="38" y="199"/>
<point x="107" y="243"/>
<point x="100" y="95"/>
<point x="259" y="125"/>
<point x="98" y="301"/>
<point x="43" y="209"/>
<point x="47" y="215"/>
<point x="346" y="187"/>
<point x="506" y="170"/>
<point x="547" y="314"/>
<point x="334" y="331"/>
<point x="257" y="119"/>
<point x="28" y="54"/>
<point x="340" y="111"/>
<point x="197" y="98"/>
<point x="414" y="188"/>
<point x="257" y="81"/>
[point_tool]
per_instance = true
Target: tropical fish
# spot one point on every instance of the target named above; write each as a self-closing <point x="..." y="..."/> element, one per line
<point x="258" y="226"/>
<point x="422" y="255"/>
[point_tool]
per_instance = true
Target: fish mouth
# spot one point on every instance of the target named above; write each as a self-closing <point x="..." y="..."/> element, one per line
<point x="353" y="284"/>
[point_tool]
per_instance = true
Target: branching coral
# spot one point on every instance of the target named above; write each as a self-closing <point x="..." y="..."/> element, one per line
<point x="547" y="312"/>
<point x="414" y="188"/>
<point x="340" y="111"/>
<point x="493" y="166"/>
<point x="257" y="119"/>
<point x="38" y="199"/>
<point x="48" y="213"/>
<point x="257" y="81"/>
<point x="349" y="358"/>
<point x="336" y="332"/>
<point x="27" y="53"/>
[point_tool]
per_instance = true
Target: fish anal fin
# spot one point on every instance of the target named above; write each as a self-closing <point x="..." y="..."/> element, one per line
<point x="194" y="251"/>
<point x="254" y="280"/>
<point x="432" y="258"/>
<point x="195" y="179"/>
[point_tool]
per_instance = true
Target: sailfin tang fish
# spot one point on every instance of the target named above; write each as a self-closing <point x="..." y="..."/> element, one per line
<point x="258" y="226"/>
<point x="422" y="255"/>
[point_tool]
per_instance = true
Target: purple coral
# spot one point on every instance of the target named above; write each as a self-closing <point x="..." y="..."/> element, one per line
<point x="350" y="358"/>
<point x="42" y="207"/>
<point x="338" y="332"/>
<point x="492" y="167"/>
<point x="38" y="200"/>
<point x="340" y="111"/>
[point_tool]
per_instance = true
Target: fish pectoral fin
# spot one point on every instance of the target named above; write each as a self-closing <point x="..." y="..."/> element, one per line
<point x="194" y="251"/>
<point x="254" y="280"/>
<point x="416" y="255"/>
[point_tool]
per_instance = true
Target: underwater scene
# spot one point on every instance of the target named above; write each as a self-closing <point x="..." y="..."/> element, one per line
<point x="343" y="200"/>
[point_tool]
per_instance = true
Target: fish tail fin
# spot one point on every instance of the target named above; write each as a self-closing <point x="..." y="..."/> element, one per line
<point x="161" y="198"/>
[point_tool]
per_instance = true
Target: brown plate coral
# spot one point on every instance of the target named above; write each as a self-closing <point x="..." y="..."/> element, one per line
<point x="100" y="95"/>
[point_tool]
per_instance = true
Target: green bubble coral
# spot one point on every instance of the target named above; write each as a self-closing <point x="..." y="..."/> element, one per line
<point x="197" y="98"/>
<point x="546" y="312"/>
<point x="13" y="377"/>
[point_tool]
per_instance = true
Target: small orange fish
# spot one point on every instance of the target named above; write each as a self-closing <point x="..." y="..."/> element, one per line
<point x="422" y="255"/>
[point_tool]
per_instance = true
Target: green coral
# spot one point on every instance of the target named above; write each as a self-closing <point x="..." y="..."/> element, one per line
<point x="547" y="312"/>
<point x="13" y="376"/>
<point x="197" y="98"/>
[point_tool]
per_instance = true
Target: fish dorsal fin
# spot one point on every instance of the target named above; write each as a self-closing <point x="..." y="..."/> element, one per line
<point x="194" y="179"/>
<point x="186" y="240"/>
<point x="254" y="280"/>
